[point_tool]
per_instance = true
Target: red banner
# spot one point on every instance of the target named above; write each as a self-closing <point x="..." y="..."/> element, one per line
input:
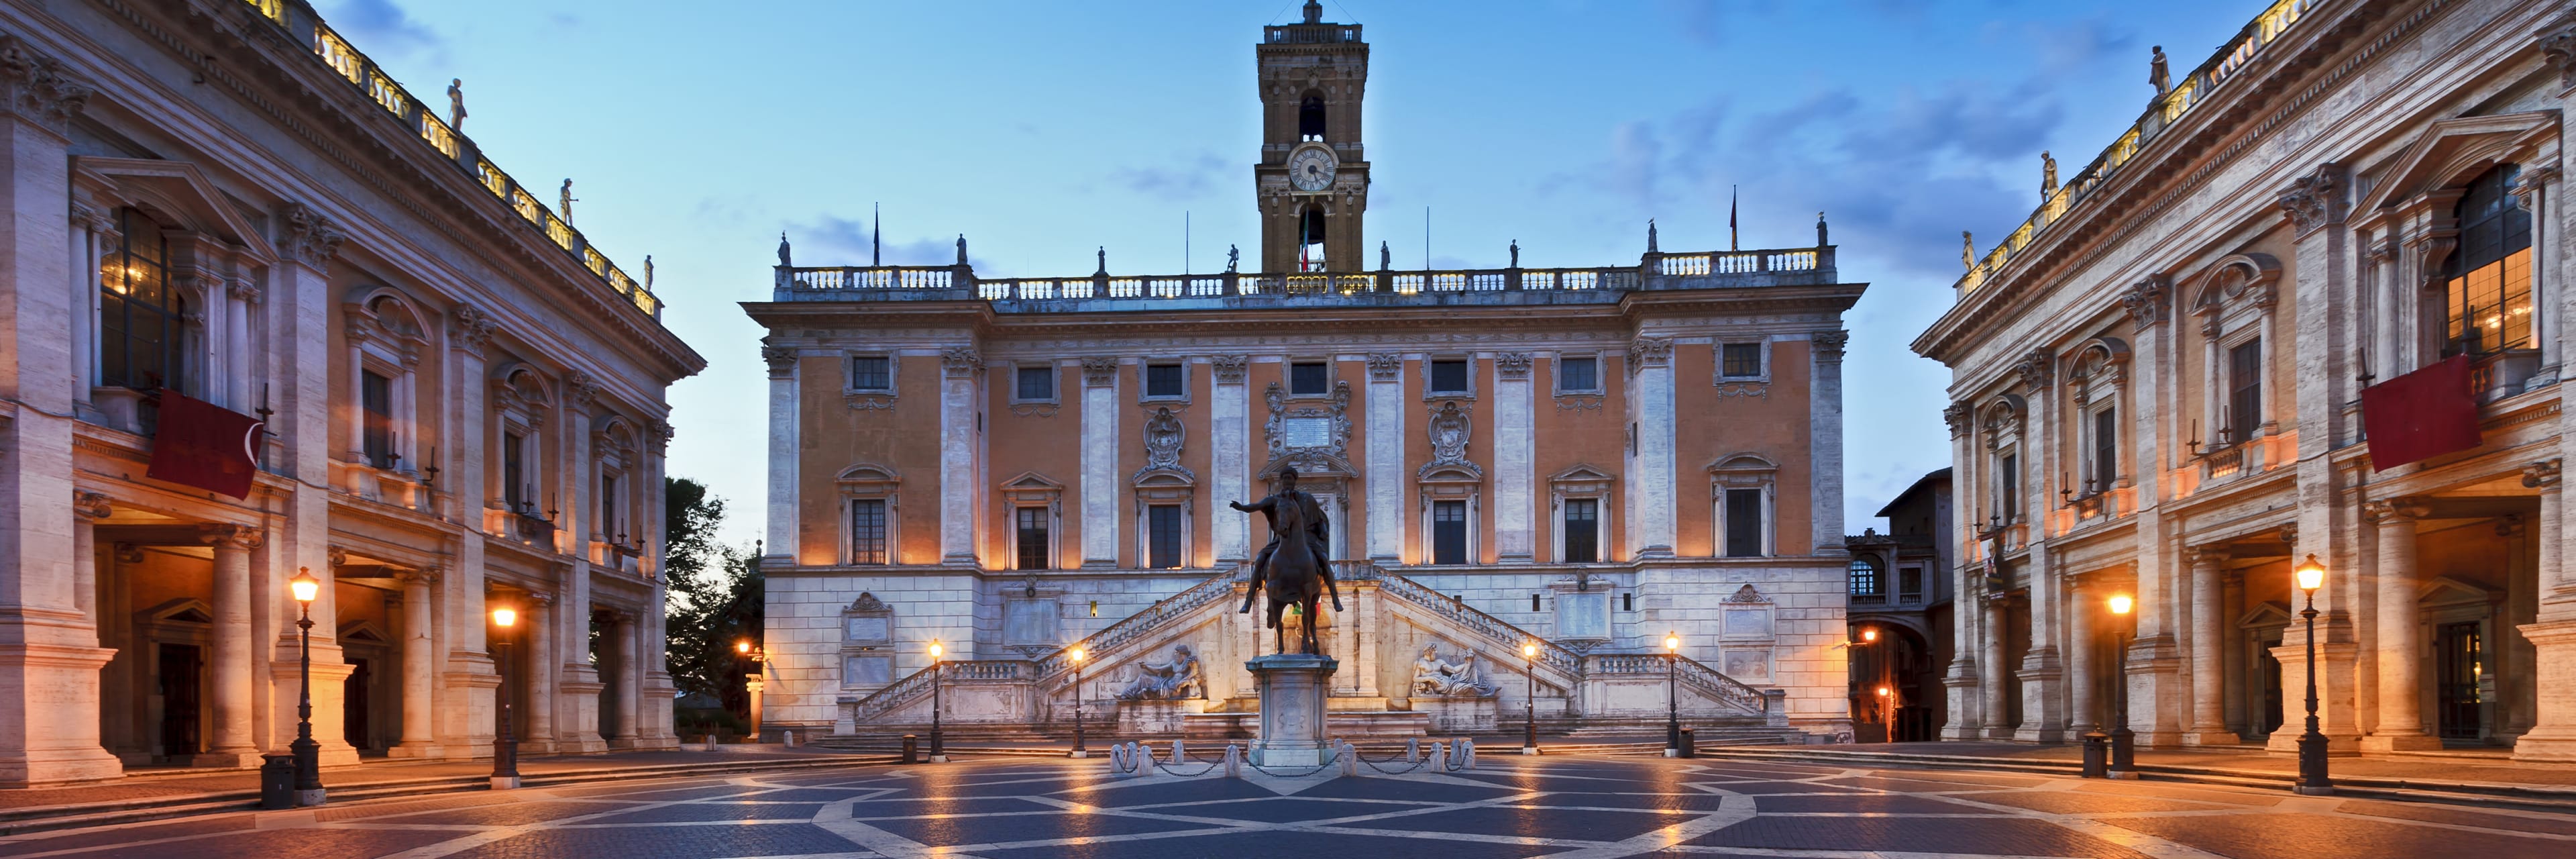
<point x="204" y="445"/>
<point x="2421" y="415"/>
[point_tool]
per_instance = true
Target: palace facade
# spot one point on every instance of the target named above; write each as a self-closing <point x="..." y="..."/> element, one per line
<point x="223" y="214"/>
<point x="1579" y="460"/>
<point x="2313" y="304"/>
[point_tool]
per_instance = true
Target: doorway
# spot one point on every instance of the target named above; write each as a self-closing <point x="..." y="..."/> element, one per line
<point x="354" y="723"/>
<point x="2461" y="662"/>
<point x="182" y="667"/>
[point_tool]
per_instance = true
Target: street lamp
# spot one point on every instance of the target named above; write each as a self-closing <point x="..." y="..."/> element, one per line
<point x="938" y="753"/>
<point x="2312" y="780"/>
<point x="751" y="690"/>
<point x="1672" y="698"/>
<point x="308" y="754"/>
<point x="505" y="746"/>
<point x="2124" y="748"/>
<point x="1529" y="699"/>
<point x="1078" y="750"/>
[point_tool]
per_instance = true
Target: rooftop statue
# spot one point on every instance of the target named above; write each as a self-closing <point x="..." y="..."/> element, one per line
<point x="1820" y="230"/>
<point x="1385" y="260"/>
<point x="456" y="105"/>
<point x="2158" y="74"/>
<point x="1516" y="253"/>
<point x="782" y="249"/>
<point x="1233" y="257"/>
<point x="1967" y="250"/>
<point x="1650" y="235"/>
<point x="564" y="200"/>
<point x="961" y="248"/>
<point x="1167" y="681"/>
<point x="2048" y="174"/>
<point x="648" y="272"/>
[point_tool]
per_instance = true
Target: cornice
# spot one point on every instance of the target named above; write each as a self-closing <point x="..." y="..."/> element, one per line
<point x="2207" y="140"/>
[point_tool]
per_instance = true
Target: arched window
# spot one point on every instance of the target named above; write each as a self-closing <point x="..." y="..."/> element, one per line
<point x="1865" y="586"/>
<point x="2489" y="277"/>
<point x="1310" y="239"/>
<point x="1310" y="117"/>
<point x="140" y="314"/>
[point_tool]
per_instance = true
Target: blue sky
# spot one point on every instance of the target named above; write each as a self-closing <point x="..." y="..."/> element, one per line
<point x="696" y="132"/>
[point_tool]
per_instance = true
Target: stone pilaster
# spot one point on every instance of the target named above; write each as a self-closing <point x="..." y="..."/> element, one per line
<point x="1825" y="440"/>
<point x="782" y="549"/>
<point x="1384" y="448"/>
<point x="1515" y="469"/>
<point x="959" y="418"/>
<point x="1099" y="485"/>
<point x="2082" y="673"/>
<point x="1229" y="452"/>
<point x="1651" y="497"/>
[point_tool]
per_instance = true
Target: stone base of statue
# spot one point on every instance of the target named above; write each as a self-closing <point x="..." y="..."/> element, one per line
<point x="1458" y="715"/>
<point x="1156" y="717"/>
<point x="1293" y="688"/>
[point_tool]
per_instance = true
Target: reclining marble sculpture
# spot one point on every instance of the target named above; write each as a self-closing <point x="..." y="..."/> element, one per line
<point x="1438" y="678"/>
<point x="1168" y="681"/>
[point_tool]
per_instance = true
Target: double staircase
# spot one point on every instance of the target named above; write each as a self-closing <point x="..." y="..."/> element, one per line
<point x="1021" y="701"/>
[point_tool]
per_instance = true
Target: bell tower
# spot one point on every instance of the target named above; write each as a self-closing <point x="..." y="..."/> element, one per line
<point x="1312" y="181"/>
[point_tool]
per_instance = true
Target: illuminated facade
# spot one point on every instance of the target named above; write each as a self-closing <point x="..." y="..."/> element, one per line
<point x="2162" y="385"/>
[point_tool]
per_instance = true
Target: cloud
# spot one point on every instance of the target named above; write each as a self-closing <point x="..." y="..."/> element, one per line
<point x="1177" y="180"/>
<point x="845" y="241"/>
<point x="380" y="27"/>
<point x="2062" y="48"/>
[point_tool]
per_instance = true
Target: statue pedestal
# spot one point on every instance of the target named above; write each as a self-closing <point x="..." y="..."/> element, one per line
<point x="1293" y="687"/>
<point x="1461" y="715"/>
<point x="1156" y="718"/>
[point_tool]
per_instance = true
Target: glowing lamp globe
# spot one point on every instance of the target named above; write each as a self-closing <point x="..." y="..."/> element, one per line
<point x="1673" y="642"/>
<point x="2310" y="573"/>
<point x="2121" y="604"/>
<point x="505" y="616"/>
<point x="1529" y="651"/>
<point x="1078" y="654"/>
<point x="304" y="586"/>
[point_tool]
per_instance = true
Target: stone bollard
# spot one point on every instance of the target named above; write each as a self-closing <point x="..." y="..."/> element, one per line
<point x="1465" y="759"/>
<point x="1234" y="760"/>
<point x="1412" y="750"/>
<point x="1178" y="755"/>
<point x="788" y="737"/>
<point x="1350" y="756"/>
<point x="1439" y="757"/>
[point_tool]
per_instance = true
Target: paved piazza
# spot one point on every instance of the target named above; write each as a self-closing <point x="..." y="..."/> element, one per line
<point x="1516" y="807"/>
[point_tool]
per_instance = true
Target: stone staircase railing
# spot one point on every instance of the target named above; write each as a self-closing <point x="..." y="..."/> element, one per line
<point x="915" y="686"/>
<point x="1691" y="672"/>
<point x="1493" y="629"/>
<point x="1096" y="645"/>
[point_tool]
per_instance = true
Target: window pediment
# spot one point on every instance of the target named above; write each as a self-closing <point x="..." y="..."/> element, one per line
<point x="868" y="479"/>
<point x="177" y="192"/>
<point x="2453" y="151"/>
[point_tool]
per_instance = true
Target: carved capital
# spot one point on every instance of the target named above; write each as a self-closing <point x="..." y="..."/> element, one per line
<point x="2038" y="369"/>
<point x="960" y="362"/>
<point x="2147" y="301"/>
<point x="2315" y="200"/>
<point x="1229" y="369"/>
<point x="1957" y="415"/>
<point x="581" y="390"/>
<point x="2210" y="555"/>
<point x="1509" y="367"/>
<point x="1385" y="366"/>
<point x="227" y="535"/>
<point x="2542" y="475"/>
<point x="539" y="600"/>
<point x="38" y="87"/>
<point x="657" y="437"/>
<point x="469" y="329"/>
<point x="2528" y="183"/>
<point x="780" y="359"/>
<point x="2558" y="47"/>
<point x="245" y="290"/>
<point x="1645" y="352"/>
<point x="91" y="505"/>
<point x="1099" y="372"/>
<point x="423" y="577"/>
<point x="1829" y="345"/>
<point x="304" y="236"/>
<point x="2388" y="512"/>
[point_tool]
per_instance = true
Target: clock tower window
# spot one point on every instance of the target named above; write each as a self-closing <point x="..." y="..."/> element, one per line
<point x="1310" y="117"/>
<point x="1310" y="239"/>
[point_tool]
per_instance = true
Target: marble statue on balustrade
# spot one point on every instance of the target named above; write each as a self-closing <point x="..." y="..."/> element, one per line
<point x="2047" y="174"/>
<point x="1385" y="259"/>
<point x="2158" y="73"/>
<point x="456" y="105"/>
<point x="1168" y="681"/>
<point x="1516" y="253"/>
<point x="1820" y="230"/>
<point x="1233" y="257"/>
<point x="1967" y="250"/>
<point x="564" y="200"/>
<point x="783" y="258"/>
<point x="1434" y="677"/>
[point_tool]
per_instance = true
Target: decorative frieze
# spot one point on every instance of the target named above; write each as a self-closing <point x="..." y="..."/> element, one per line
<point x="229" y="535"/>
<point x="1099" y="372"/>
<point x="581" y="390"/>
<point x="2558" y="48"/>
<point x="2390" y="511"/>
<point x="2037" y="370"/>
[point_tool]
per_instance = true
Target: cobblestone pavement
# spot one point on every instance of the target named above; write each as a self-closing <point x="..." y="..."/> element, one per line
<point x="1512" y="806"/>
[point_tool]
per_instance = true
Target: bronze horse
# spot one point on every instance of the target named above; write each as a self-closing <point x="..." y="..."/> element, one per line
<point x="1295" y="577"/>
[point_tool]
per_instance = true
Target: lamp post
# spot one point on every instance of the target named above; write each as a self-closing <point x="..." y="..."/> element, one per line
<point x="505" y="745"/>
<point x="1868" y="636"/>
<point x="1078" y="750"/>
<point x="2312" y="780"/>
<point x="1529" y="699"/>
<point x="2124" y="750"/>
<point x="754" y="683"/>
<point x="308" y="754"/>
<point x="938" y="753"/>
<point x="1672" y="697"/>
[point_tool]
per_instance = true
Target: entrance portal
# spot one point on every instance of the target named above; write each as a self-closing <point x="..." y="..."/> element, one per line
<point x="181" y="667"/>
<point x="2462" y="663"/>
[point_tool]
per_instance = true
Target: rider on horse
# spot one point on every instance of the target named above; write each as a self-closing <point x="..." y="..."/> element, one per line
<point x="1315" y="534"/>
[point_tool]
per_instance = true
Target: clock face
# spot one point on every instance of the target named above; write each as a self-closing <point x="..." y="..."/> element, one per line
<point x="1311" y="168"/>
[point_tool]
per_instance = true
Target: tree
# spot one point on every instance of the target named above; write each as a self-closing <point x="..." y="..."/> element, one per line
<point x="715" y="595"/>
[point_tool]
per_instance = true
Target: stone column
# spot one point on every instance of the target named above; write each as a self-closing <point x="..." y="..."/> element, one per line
<point x="959" y="428"/>
<point x="1099" y="485"/>
<point x="1650" y="495"/>
<point x="1991" y="665"/>
<point x="2400" y="645"/>
<point x="1515" y="525"/>
<point x="307" y="241"/>
<point x="1229" y="430"/>
<point x="1825" y="441"/>
<point x="782" y="548"/>
<point x="1385" y="451"/>
<point x="88" y="507"/>
<point x="2552" y="736"/>
<point x="540" y="609"/>
<point x="2080" y="678"/>
<point x="419" y="667"/>
<point x="2208" y="648"/>
<point x="52" y="657"/>
<point x="630" y="678"/>
<point x="230" y="665"/>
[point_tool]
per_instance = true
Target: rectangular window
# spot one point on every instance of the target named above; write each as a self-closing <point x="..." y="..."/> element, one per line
<point x="872" y="373"/>
<point x="1163" y="529"/>
<point x="1448" y="377"/>
<point x="1307" y="378"/>
<point x="1031" y="528"/>
<point x="868" y="531"/>
<point x="608" y="522"/>
<point x="1863" y="577"/>
<point x="514" y="472"/>
<point x="141" y="316"/>
<point x="1164" y="380"/>
<point x="376" y="398"/>
<point x="2009" y="470"/>
<point x="1578" y="374"/>
<point x="1448" y="532"/>
<point x="1909" y="583"/>
<point x="1037" y="383"/>
<point x="2106" y="450"/>
<point x="1744" y="523"/>
<point x="2244" y="390"/>
<point x="1582" y="530"/>
<point x="1740" y="360"/>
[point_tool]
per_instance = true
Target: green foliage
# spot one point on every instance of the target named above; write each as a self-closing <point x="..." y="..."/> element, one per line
<point x="714" y="599"/>
<point x="692" y="721"/>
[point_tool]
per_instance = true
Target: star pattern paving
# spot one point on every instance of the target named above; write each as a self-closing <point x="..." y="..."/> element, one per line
<point x="1510" y="807"/>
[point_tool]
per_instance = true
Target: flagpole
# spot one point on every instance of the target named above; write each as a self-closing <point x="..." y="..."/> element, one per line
<point x="1730" y="218"/>
<point x="876" y="242"/>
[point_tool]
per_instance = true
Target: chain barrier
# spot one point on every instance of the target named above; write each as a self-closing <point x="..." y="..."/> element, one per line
<point x="1136" y="758"/>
